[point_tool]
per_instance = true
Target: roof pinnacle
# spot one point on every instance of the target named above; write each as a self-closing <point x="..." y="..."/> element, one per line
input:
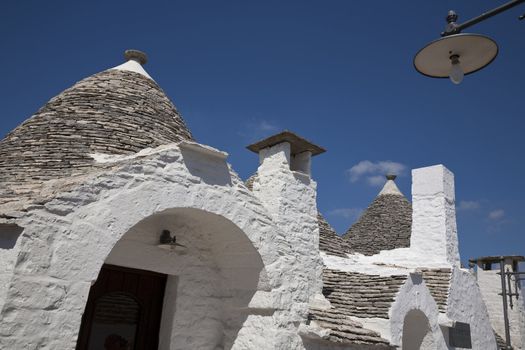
<point x="390" y="186"/>
<point x="136" y="55"/>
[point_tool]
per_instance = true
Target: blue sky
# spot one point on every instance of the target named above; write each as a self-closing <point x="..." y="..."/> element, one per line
<point x="337" y="72"/>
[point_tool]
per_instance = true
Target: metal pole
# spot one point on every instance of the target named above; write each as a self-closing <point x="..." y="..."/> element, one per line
<point x="457" y="28"/>
<point x="507" y="276"/>
<point x="505" y="311"/>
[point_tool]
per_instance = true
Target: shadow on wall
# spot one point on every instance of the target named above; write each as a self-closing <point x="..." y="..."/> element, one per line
<point x="417" y="334"/>
<point x="9" y="235"/>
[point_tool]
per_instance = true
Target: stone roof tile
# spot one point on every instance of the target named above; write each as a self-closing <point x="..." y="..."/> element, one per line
<point x="385" y="225"/>
<point x="329" y="241"/>
<point x="438" y="283"/>
<point x="113" y="112"/>
<point x="343" y="330"/>
<point x="361" y="295"/>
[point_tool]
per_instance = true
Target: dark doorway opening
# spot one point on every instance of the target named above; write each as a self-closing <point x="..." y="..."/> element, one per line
<point x="123" y="310"/>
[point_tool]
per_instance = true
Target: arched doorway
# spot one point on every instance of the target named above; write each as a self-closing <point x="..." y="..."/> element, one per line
<point x="209" y="279"/>
<point x="417" y="334"/>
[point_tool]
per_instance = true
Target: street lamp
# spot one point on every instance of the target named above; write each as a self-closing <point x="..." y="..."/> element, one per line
<point x="456" y="54"/>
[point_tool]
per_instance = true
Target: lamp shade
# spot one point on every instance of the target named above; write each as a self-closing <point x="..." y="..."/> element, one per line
<point x="474" y="52"/>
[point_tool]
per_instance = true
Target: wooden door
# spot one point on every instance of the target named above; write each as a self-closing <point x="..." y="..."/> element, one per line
<point x="123" y="310"/>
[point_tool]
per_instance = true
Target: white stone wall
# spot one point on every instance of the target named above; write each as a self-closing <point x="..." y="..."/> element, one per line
<point x="465" y="304"/>
<point x="211" y="280"/>
<point x="434" y="232"/>
<point x="66" y="241"/>
<point x="210" y="302"/>
<point x="490" y="285"/>
<point x="414" y="295"/>
<point x="290" y="198"/>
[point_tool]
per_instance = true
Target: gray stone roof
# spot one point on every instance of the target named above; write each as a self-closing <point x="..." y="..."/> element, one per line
<point x="438" y="282"/>
<point x="343" y="330"/>
<point x="386" y="224"/>
<point x="366" y="296"/>
<point x="361" y="295"/>
<point x="329" y="241"/>
<point x="113" y="112"/>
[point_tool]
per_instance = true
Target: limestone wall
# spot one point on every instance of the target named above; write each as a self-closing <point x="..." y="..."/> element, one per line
<point x="490" y="284"/>
<point x="465" y="304"/>
<point x="67" y="240"/>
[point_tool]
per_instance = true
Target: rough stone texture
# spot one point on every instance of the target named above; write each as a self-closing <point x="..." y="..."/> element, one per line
<point x="249" y="182"/>
<point x="112" y="112"/>
<point x="465" y="304"/>
<point x="329" y="241"/>
<point x="414" y="295"/>
<point x="438" y="282"/>
<point x="434" y="231"/>
<point x="385" y="225"/>
<point x="490" y="285"/>
<point x="68" y="238"/>
<point x="361" y="295"/>
<point x="290" y="198"/>
<point x="343" y="330"/>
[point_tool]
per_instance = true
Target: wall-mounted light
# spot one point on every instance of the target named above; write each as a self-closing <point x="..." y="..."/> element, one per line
<point x="456" y="55"/>
<point x="167" y="241"/>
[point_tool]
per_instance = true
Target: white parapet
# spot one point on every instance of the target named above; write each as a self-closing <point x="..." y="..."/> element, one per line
<point x="434" y="231"/>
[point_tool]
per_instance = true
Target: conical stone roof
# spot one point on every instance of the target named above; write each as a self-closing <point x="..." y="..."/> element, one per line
<point x="118" y="111"/>
<point x="386" y="224"/>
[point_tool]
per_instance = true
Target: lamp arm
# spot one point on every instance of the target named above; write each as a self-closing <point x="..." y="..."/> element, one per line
<point x="454" y="28"/>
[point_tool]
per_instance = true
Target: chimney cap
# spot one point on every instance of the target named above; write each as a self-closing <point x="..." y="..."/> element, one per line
<point x="297" y="143"/>
<point x="136" y="55"/>
<point x="497" y="258"/>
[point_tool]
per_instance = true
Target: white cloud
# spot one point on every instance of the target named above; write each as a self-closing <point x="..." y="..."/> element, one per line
<point x="496" y="215"/>
<point x="264" y="125"/>
<point x="256" y="129"/>
<point x="347" y="213"/>
<point x="376" y="180"/>
<point x="374" y="172"/>
<point x="467" y="205"/>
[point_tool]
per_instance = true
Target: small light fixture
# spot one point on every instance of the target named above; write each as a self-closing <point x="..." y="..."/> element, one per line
<point x="456" y="72"/>
<point x="455" y="54"/>
<point x="167" y="241"/>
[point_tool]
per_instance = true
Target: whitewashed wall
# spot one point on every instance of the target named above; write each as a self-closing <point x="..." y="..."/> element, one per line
<point x="414" y="295"/>
<point x="490" y="284"/>
<point x="65" y="243"/>
<point x="465" y="304"/>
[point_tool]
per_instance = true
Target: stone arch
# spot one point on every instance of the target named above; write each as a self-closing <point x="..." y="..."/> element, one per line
<point x="66" y="242"/>
<point x="417" y="334"/>
<point x="414" y="302"/>
<point x="211" y="278"/>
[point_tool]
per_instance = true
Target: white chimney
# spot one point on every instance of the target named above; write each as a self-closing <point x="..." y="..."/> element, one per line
<point x="434" y="231"/>
<point x="284" y="186"/>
